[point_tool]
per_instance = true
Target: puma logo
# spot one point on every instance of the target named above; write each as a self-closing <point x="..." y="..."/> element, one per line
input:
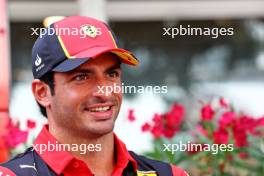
<point x="23" y="166"/>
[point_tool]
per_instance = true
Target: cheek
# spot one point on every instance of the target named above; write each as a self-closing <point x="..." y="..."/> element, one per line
<point x="120" y="97"/>
<point x="68" y="97"/>
<point x="118" y="100"/>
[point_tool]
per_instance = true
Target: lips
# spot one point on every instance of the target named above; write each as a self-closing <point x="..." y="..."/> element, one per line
<point x="100" y="111"/>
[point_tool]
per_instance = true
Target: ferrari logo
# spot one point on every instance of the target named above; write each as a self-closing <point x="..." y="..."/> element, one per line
<point x="146" y="173"/>
<point x="90" y="30"/>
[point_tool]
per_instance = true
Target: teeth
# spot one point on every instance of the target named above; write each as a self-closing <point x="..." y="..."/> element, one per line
<point x="100" y="109"/>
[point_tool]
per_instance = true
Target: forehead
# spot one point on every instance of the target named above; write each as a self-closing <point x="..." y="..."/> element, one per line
<point x="103" y="61"/>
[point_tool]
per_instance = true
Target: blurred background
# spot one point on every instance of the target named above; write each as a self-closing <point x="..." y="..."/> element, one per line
<point x="193" y="67"/>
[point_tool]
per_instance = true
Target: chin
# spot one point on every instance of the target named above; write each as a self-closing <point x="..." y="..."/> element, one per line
<point x="100" y="129"/>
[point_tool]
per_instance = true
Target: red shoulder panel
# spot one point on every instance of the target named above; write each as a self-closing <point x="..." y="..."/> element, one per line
<point x="6" y="172"/>
<point x="178" y="171"/>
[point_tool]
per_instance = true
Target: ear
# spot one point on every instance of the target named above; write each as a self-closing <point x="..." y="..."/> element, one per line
<point x="41" y="92"/>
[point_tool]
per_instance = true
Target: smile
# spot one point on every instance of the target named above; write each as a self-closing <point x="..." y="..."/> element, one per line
<point x="100" y="109"/>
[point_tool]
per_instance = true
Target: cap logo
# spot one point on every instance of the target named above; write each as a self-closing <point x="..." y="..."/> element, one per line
<point x="38" y="60"/>
<point x="90" y="30"/>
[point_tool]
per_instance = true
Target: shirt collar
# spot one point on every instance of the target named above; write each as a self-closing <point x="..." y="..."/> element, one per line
<point x="45" y="138"/>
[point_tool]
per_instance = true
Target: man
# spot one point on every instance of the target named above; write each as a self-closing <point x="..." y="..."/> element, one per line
<point x="68" y="67"/>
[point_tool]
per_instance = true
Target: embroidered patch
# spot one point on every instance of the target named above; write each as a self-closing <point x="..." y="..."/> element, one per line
<point x="146" y="173"/>
<point x="89" y="30"/>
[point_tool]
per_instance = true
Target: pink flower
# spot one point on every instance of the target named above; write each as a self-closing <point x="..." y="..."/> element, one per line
<point x="243" y="155"/>
<point x="221" y="136"/>
<point x="227" y="119"/>
<point x="240" y="134"/>
<point x="146" y="127"/>
<point x="172" y="120"/>
<point x="131" y="116"/>
<point x="157" y="128"/>
<point x="157" y="131"/>
<point x="242" y="127"/>
<point x="15" y="136"/>
<point x="195" y="150"/>
<point x="260" y="121"/>
<point x="175" y="116"/>
<point x="248" y="124"/>
<point x="169" y="132"/>
<point x="157" y="118"/>
<point x="223" y="103"/>
<point x="230" y="157"/>
<point x="258" y="127"/>
<point x="207" y="113"/>
<point x="166" y="124"/>
<point x="31" y="124"/>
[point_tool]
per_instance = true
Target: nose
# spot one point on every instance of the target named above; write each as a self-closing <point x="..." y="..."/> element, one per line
<point x="103" y="88"/>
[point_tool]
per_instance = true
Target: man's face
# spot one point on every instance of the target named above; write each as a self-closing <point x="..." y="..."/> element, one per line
<point x="79" y="105"/>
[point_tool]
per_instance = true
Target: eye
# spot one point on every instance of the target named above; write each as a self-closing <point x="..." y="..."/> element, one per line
<point x="114" y="74"/>
<point x="81" y="77"/>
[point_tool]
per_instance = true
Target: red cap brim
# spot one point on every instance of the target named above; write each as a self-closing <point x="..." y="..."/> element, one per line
<point x="80" y="58"/>
<point x="124" y="55"/>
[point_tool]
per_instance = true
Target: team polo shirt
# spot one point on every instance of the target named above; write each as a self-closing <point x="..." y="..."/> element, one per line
<point x="63" y="162"/>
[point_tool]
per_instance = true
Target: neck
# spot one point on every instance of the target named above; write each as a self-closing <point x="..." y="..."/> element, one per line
<point x="99" y="154"/>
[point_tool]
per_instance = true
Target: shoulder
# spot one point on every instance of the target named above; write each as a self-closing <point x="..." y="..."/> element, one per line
<point x="15" y="165"/>
<point x="160" y="166"/>
<point x="6" y="171"/>
<point x="142" y="160"/>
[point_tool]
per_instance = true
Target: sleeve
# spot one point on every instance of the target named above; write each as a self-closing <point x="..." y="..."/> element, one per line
<point x="6" y="172"/>
<point x="178" y="171"/>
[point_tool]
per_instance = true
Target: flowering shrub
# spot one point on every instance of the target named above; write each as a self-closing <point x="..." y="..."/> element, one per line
<point x="222" y="142"/>
<point x="11" y="136"/>
<point x="166" y="125"/>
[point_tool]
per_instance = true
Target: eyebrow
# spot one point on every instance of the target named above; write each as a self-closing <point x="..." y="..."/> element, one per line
<point x="114" y="67"/>
<point x="87" y="70"/>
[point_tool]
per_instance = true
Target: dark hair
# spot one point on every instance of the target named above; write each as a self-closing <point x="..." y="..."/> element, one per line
<point x="48" y="79"/>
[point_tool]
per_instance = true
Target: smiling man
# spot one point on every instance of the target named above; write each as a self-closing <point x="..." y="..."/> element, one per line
<point x="70" y="61"/>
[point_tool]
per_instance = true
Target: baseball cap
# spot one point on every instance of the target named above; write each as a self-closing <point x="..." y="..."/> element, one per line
<point x="70" y="42"/>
